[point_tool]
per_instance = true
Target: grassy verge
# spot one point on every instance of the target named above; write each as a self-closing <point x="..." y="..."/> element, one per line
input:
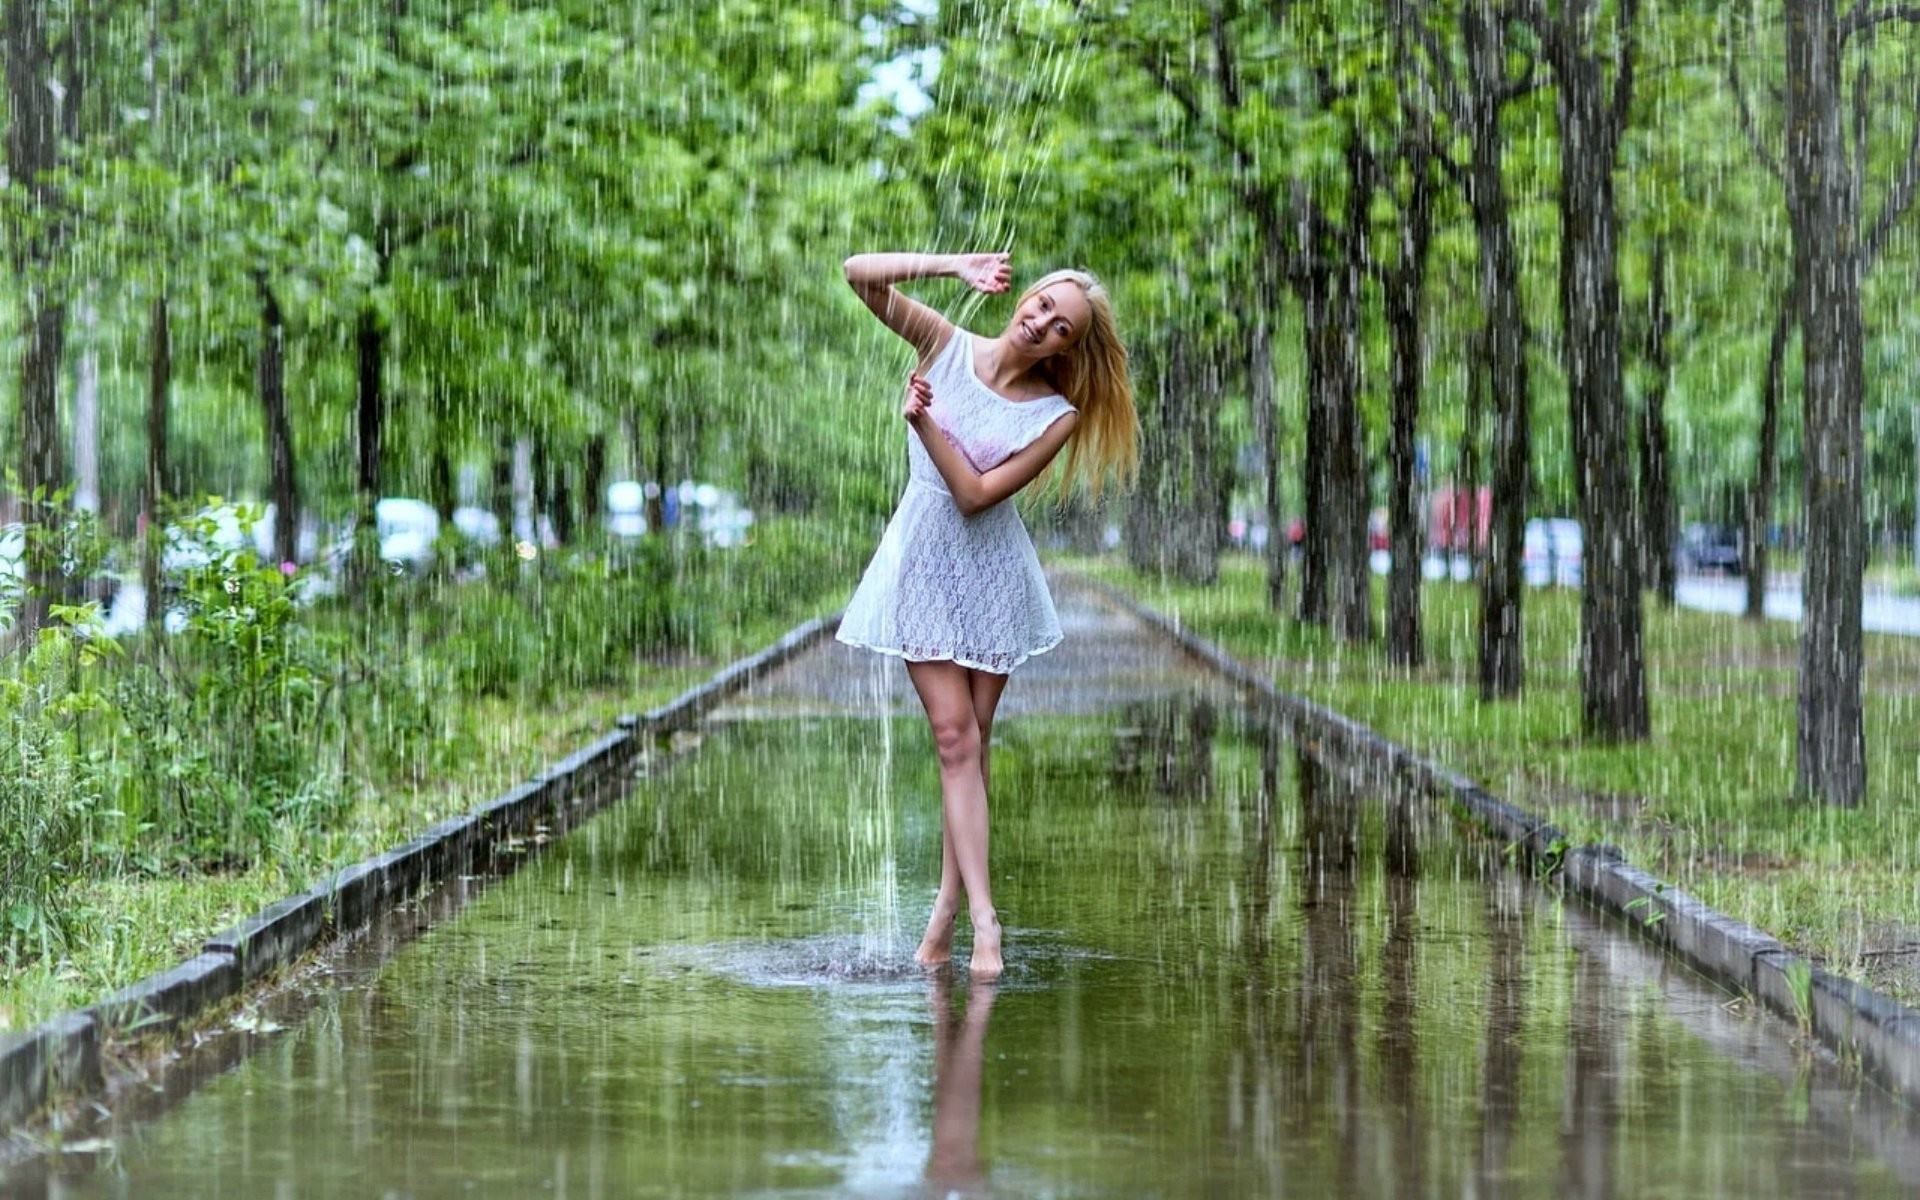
<point x="1706" y="803"/>
<point x="443" y="695"/>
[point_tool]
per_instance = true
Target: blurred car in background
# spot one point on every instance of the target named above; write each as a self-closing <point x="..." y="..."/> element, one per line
<point x="627" y="508"/>
<point x="407" y="530"/>
<point x="1705" y="547"/>
<point x="477" y="525"/>
<point x="715" y="513"/>
<point x="1553" y="551"/>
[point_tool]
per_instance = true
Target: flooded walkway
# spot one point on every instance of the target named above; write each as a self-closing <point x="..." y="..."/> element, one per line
<point x="1230" y="974"/>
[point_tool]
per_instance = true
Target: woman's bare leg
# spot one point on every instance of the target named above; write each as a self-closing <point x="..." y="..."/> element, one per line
<point x="986" y="688"/>
<point x="947" y="695"/>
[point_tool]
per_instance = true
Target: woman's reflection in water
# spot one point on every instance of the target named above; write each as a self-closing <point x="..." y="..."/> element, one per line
<point x="953" y="1165"/>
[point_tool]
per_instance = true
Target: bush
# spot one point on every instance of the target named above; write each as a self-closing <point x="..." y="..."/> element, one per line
<point x="54" y="769"/>
<point x="228" y="720"/>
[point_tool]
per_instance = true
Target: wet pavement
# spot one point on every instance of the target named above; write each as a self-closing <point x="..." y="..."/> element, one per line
<point x="1231" y="972"/>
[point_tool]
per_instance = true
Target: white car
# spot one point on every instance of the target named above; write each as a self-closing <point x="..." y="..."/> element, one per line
<point x="1553" y="550"/>
<point x="626" y="508"/>
<point x="407" y="528"/>
<point x="477" y="525"/>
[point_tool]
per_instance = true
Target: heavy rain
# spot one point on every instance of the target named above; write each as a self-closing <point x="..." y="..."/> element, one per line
<point x="1453" y="566"/>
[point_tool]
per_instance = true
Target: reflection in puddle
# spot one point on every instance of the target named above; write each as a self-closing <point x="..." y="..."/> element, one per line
<point x="1235" y="973"/>
<point x="954" y="1164"/>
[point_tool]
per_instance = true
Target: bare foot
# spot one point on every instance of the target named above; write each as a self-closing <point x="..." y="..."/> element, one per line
<point x="986" y="962"/>
<point x="937" y="946"/>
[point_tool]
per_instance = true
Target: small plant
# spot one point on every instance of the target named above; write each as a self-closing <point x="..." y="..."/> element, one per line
<point x="1799" y="975"/>
<point x="1653" y="916"/>
<point x="1554" y="858"/>
<point x="224" y="717"/>
<point x="54" y="767"/>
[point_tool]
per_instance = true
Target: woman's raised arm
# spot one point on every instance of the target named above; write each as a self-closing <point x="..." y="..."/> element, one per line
<point x="872" y="277"/>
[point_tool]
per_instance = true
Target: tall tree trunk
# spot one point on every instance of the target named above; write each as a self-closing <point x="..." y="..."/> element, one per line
<point x="1658" y="530"/>
<point x="283" y="483"/>
<point x="593" y="482"/>
<point x="159" y="389"/>
<point x="1613" y="681"/>
<point x="1502" y="656"/>
<point x="662" y="472"/>
<point x="1315" y="288"/>
<point x="443" y="488"/>
<point x="1822" y="199"/>
<point x="1173" y="523"/>
<point x="501" y="501"/>
<point x="1405" y="289"/>
<point x="1266" y="419"/>
<point x="1352" y="496"/>
<point x="32" y="142"/>
<point x="370" y="415"/>
<point x="542" y="488"/>
<point x="1766" y="473"/>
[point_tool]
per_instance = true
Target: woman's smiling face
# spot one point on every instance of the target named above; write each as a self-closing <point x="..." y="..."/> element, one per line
<point x="1052" y="320"/>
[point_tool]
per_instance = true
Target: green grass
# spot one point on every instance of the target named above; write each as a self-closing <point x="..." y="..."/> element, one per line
<point x="126" y="926"/>
<point x="1706" y="803"/>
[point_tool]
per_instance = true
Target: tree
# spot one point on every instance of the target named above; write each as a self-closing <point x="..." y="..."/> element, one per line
<point x="1831" y="252"/>
<point x="1592" y="118"/>
<point x="39" y="116"/>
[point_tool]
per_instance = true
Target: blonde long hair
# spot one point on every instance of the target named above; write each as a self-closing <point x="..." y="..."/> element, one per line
<point x="1093" y="377"/>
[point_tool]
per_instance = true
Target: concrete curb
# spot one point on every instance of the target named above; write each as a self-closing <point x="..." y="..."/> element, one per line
<point x="1851" y="1019"/>
<point x="685" y="710"/>
<point x="61" y="1058"/>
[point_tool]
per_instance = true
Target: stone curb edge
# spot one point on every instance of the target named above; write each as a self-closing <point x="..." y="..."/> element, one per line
<point x="1849" y="1018"/>
<point x="61" y="1057"/>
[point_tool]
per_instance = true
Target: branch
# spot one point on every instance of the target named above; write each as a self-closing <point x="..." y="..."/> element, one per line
<point x="1624" y="64"/>
<point x="1526" y="85"/>
<point x="1171" y="86"/>
<point x="1447" y="86"/>
<point x="1898" y="201"/>
<point x="1223" y="60"/>
<point x="1864" y="18"/>
<point x="1747" y="126"/>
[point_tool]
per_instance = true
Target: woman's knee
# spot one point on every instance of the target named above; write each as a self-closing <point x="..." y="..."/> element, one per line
<point x="957" y="740"/>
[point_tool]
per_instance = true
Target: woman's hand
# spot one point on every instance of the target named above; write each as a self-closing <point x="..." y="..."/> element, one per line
<point x="919" y="395"/>
<point x="987" y="273"/>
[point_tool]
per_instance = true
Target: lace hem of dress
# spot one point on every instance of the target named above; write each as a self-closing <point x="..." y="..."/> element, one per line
<point x="1000" y="664"/>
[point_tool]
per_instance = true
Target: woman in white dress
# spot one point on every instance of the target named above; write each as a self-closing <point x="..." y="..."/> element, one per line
<point x="955" y="588"/>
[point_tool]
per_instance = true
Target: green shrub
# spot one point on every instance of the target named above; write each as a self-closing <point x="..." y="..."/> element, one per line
<point x="54" y="771"/>
<point x="228" y="717"/>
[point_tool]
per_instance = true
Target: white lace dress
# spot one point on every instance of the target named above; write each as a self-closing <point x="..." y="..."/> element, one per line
<point x="947" y="586"/>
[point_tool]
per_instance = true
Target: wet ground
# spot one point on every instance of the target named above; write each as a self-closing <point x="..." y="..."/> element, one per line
<point x="1230" y="973"/>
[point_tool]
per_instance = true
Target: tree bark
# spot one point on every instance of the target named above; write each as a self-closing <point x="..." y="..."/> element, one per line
<point x="1766" y="473"/>
<point x="1405" y="289"/>
<point x="1613" y="683"/>
<point x="283" y="482"/>
<point x="1822" y="199"/>
<point x="32" y="145"/>
<point x="159" y="389"/>
<point x="1315" y="287"/>
<point x="1266" y="421"/>
<point x="1658" y="530"/>
<point x="1174" y="522"/>
<point x="1502" y="657"/>
<point x="593" y="482"/>
<point x="1352" y="495"/>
